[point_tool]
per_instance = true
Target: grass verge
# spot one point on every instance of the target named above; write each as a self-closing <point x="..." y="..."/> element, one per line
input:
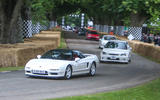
<point x="11" y="68"/>
<point x="148" y="91"/>
<point x="62" y="43"/>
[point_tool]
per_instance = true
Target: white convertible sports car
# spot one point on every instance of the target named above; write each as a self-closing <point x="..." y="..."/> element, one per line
<point x="105" y="39"/>
<point x="62" y="63"/>
<point x="116" y="51"/>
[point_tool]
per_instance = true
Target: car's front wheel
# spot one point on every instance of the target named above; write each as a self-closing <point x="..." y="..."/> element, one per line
<point x="92" y="69"/>
<point x="68" y="72"/>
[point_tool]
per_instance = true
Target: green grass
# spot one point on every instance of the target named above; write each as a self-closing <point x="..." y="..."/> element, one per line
<point x="63" y="43"/>
<point x="10" y="68"/>
<point x="148" y="91"/>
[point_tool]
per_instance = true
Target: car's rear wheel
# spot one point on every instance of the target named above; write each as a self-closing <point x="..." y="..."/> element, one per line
<point x="129" y="60"/>
<point x="92" y="69"/>
<point x="68" y="72"/>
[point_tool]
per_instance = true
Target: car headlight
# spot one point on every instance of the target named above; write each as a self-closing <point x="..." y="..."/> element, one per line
<point x="27" y="68"/>
<point x="123" y="54"/>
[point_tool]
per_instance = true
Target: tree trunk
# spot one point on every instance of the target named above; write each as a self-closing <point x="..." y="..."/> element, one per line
<point x="137" y="19"/>
<point x="9" y="15"/>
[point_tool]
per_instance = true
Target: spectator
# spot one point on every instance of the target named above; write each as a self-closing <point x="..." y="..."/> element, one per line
<point x="155" y="39"/>
<point x="143" y="37"/>
<point x="149" y="40"/>
<point x="159" y="40"/>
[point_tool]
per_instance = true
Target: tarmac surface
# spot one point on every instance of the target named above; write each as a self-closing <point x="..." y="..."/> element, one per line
<point x="109" y="76"/>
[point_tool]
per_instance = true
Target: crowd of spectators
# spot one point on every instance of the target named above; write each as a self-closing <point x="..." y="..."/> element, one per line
<point x="150" y="38"/>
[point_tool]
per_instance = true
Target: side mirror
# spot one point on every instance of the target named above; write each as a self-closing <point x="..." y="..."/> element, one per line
<point x="77" y="59"/>
<point x="38" y="56"/>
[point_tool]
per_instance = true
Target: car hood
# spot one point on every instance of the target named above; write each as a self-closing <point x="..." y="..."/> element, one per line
<point x="104" y="42"/>
<point x="115" y="50"/>
<point x="47" y="63"/>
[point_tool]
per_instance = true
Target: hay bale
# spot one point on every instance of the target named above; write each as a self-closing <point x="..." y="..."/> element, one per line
<point x="25" y="54"/>
<point x="19" y="54"/>
<point x="49" y="37"/>
<point x="8" y="57"/>
<point x="50" y="32"/>
<point x="56" y="29"/>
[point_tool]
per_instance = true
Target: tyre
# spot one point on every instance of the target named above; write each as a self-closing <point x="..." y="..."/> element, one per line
<point x="92" y="71"/>
<point x="68" y="73"/>
<point x="129" y="60"/>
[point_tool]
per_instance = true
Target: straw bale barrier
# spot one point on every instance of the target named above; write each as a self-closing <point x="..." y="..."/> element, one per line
<point x="49" y="37"/>
<point x="144" y="49"/>
<point x="56" y="29"/>
<point x="19" y="54"/>
<point x="25" y="54"/>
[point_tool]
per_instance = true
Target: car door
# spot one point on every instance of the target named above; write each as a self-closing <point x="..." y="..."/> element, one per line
<point x="82" y="63"/>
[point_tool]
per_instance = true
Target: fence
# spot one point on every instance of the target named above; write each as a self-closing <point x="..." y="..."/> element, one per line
<point x="136" y="32"/>
<point x="28" y="28"/>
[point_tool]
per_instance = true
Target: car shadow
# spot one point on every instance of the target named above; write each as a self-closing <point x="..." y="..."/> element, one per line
<point x="102" y="62"/>
<point x="61" y="78"/>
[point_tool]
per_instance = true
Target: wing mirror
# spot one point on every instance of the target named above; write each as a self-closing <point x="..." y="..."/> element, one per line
<point x="77" y="59"/>
<point x="38" y="56"/>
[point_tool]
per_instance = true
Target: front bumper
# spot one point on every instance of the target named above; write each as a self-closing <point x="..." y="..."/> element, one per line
<point x="109" y="58"/>
<point x="47" y="74"/>
<point x="94" y="38"/>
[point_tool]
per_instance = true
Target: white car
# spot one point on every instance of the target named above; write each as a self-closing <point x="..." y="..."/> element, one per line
<point x="116" y="51"/>
<point x="105" y="39"/>
<point x="62" y="63"/>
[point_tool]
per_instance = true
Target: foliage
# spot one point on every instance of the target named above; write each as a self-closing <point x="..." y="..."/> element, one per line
<point x="40" y="10"/>
<point x="111" y="12"/>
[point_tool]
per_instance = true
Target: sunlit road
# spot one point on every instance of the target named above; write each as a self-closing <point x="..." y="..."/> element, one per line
<point x="110" y="76"/>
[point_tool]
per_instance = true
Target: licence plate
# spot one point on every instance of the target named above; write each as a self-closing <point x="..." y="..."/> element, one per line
<point x="38" y="71"/>
<point x="113" y="57"/>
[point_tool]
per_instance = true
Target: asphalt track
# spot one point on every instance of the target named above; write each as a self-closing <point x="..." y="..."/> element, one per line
<point x="110" y="76"/>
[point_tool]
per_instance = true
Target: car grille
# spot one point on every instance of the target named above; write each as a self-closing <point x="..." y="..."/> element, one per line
<point x="54" y="73"/>
<point x="113" y="54"/>
<point x="113" y="59"/>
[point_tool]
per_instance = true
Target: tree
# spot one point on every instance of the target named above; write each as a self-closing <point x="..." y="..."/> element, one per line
<point x="9" y="15"/>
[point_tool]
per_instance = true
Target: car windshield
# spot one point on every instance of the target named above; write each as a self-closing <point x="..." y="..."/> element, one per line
<point x="109" y="38"/>
<point x="116" y="45"/>
<point x="58" y="54"/>
<point x="93" y="32"/>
